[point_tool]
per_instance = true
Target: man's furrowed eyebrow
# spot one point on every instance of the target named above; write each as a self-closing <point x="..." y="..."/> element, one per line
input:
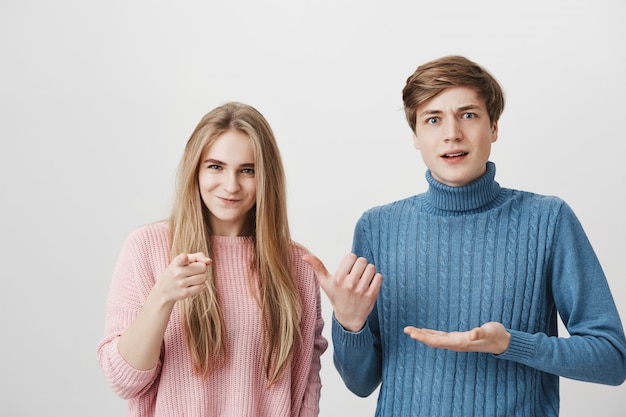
<point x="434" y="112"/>
<point x="429" y="113"/>
<point x="470" y="107"/>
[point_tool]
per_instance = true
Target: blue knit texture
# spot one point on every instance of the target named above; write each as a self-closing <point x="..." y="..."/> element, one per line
<point x="454" y="258"/>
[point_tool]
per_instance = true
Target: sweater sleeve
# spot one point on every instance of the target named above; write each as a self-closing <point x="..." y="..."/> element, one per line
<point x="306" y="380"/>
<point x="129" y="288"/>
<point x="595" y="351"/>
<point x="310" y="403"/>
<point x="357" y="355"/>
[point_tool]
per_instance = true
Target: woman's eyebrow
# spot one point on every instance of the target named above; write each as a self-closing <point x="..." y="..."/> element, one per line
<point x="214" y="161"/>
<point x="218" y="162"/>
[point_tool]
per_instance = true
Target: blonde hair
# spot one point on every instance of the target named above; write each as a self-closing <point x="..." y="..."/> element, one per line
<point x="279" y="298"/>
<point x="433" y="77"/>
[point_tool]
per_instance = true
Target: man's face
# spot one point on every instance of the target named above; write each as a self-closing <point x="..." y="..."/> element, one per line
<point x="454" y="135"/>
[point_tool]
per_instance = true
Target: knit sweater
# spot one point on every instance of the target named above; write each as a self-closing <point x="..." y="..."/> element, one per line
<point x="238" y="389"/>
<point x="454" y="258"/>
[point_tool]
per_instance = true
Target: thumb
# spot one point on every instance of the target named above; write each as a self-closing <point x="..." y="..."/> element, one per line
<point x="317" y="265"/>
<point x="181" y="260"/>
<point x="476" y="334"/>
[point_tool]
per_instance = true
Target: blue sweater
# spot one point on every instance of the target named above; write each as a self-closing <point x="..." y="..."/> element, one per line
<point x="454" y="258"/>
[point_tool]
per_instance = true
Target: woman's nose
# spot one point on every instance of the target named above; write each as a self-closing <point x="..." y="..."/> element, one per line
<point x="231" y="183"/>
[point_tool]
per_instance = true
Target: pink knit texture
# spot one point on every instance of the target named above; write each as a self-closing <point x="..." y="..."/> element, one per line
<point x="239" y="389"/>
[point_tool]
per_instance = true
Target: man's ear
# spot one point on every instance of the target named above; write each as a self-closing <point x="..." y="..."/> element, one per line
<point x="494" y="132"/>
<point x="416" y="142"/>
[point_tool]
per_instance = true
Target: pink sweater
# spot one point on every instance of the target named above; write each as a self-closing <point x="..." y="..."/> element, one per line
<point x="239" y="389"/>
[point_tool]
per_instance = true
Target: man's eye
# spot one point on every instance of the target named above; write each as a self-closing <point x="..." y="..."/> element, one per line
<point x="433" y="121"/>
<point x="468" y="115"/>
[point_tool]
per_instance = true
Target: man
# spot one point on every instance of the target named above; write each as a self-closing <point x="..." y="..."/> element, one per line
<point x="458" y="317"/>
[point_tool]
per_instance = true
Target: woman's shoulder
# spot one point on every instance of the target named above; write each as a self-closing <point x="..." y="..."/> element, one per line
<point x="298" y="248"/>
<point x="304" y="274"/>
<point x="146" y="249"/>
<point x="150" y="235"/>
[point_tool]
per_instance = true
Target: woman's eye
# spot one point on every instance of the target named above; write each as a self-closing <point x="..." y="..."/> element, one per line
<point x="213" y="166"/>
<point x="248" y="171"/>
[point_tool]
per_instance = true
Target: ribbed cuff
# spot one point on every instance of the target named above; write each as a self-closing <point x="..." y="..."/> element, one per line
<point x="123" y="377"/>
<point x="350" y="339"/>
<point x="521" y="347"/>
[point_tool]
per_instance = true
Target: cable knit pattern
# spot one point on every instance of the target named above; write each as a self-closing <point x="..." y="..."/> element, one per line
<point x="239" y="389"/>
<point x="454" y="258"/>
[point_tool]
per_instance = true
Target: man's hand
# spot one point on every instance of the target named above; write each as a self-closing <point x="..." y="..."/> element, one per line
<point x="352" y="291"/>
<point x="491" y="337"/>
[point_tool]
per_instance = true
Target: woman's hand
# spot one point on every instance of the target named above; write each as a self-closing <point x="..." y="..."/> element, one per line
<point x="184" y="277"/>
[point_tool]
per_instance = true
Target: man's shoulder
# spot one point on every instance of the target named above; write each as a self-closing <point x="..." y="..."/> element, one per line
<point x="392" y="211"/>
<point x="402" y="204"/>
<point x="536" y="199"/>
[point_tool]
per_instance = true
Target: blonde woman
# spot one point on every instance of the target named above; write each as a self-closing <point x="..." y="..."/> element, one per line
<point x="214" y="313"/>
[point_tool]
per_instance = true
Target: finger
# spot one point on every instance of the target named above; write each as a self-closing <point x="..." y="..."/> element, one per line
<point x="191" y="288"/>
<point x="196" y="268"/>
<point x="365" y="277"/>
<point x="417" y="334"/>
<point x="197" y="280"/>
<point x="414" y="332"/>
<point x="181" y="260"/>
<point x="411" y="330"/>
<point x="347" y="264"/>
<point x="318" y="266"/>
<point x="199" y="257"/>
<point x="435" y="339"/>
<point x="375" y="284"/>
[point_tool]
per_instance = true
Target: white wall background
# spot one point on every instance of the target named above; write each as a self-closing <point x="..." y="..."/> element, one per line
<point x="98" y="98"/>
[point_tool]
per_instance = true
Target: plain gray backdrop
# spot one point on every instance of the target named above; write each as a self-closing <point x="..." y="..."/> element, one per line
<point x="97" y="100"/>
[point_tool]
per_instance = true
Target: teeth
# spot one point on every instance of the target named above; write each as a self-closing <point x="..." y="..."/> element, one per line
<point x="455" y="154"/>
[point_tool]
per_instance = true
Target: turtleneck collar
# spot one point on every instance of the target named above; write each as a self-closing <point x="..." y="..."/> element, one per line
<point x="478" y="195"/>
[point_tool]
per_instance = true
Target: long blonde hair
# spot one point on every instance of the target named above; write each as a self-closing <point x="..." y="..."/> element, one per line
<point x="279" y="298"/>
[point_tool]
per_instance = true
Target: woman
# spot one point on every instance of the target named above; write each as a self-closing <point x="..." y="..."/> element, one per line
<point x="214" y="313"/>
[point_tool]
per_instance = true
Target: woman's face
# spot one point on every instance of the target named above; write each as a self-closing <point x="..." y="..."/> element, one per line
<point x="227" y="182"/>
